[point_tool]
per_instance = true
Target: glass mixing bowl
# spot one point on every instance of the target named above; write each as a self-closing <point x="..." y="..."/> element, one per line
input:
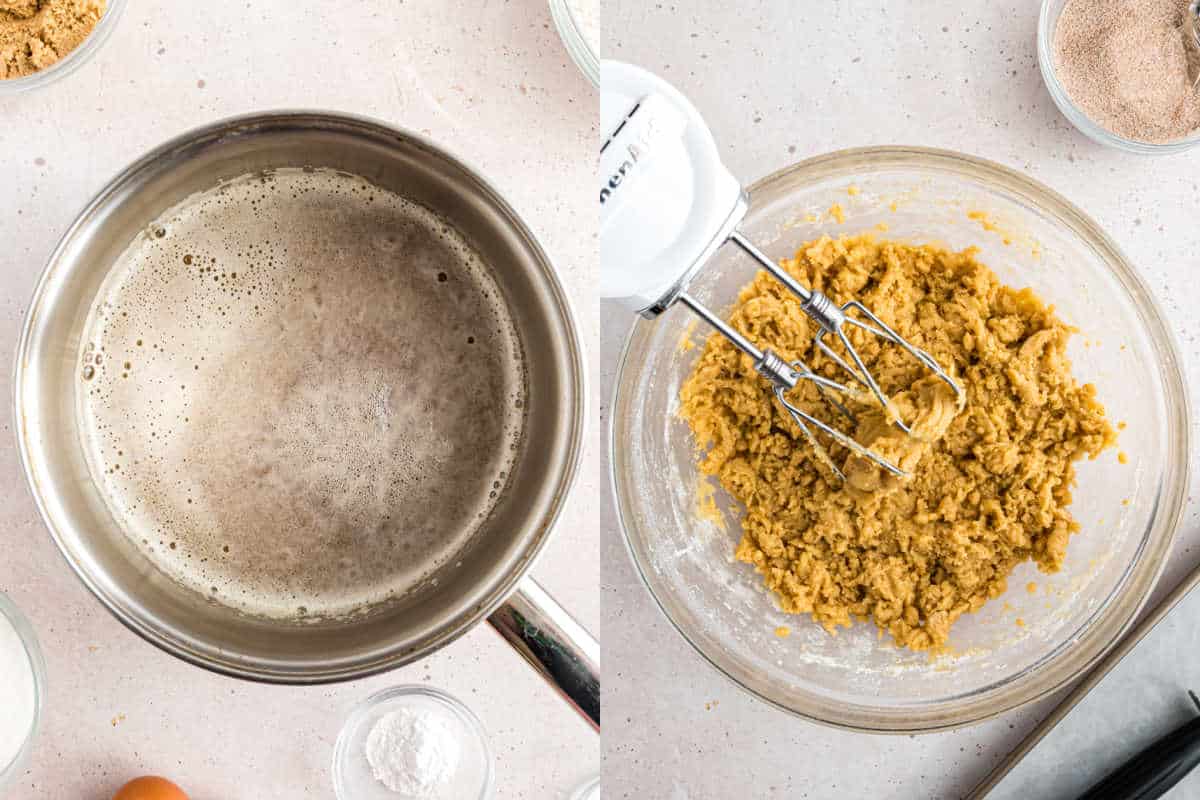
<point x="1030" y="237"/>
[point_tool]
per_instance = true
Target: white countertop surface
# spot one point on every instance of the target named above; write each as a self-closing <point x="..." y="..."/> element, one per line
<point x="488" y="80"/>
<point x="778" y="81"/>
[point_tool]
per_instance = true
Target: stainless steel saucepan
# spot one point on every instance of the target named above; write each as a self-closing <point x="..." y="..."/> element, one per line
<point x="491" y="581"/>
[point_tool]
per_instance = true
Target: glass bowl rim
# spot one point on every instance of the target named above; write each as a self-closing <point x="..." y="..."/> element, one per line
<point x="588" y="790"/>
<point x="1076" y="116"/>
<point x="73" y="60"/>
<point x="37" y="663"/>
<point x="1120" y="609"/>
<point x="455" y="706"/>
<point x="582" y="52"/>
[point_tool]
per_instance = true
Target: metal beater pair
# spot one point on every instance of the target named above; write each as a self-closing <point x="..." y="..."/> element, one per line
<point x="667" y="204"/>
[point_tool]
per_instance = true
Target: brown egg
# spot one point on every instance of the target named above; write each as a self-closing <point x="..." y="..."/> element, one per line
<point x="150" y="788"/>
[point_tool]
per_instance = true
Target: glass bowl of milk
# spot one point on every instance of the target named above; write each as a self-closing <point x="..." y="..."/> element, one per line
<point x="22" y="689"/>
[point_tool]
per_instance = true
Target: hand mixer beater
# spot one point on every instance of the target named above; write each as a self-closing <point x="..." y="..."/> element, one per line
<point x="667" y="204"/>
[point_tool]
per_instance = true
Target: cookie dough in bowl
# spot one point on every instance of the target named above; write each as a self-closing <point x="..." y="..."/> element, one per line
<point x="1037" y="630"/>
<point x="988" y="486"/>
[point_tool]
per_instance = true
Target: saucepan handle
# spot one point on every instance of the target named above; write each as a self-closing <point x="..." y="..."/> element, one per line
<point x="554" y="644"/>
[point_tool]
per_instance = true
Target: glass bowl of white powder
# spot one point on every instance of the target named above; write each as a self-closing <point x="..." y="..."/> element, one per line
<point x="413" y="743"/>
<point x="578" y="23"/>
<point x="22" y="689"/>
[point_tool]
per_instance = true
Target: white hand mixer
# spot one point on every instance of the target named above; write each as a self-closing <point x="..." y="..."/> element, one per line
<point x="667" y="204"/>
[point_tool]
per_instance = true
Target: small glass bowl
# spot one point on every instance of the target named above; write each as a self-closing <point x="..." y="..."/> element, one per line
<point x="352" y="778"/>
<point x="73" y="60"/>
<point x="582" y="51"/>
<point x="25" y="633"/>
<point x="1047" y="24"/>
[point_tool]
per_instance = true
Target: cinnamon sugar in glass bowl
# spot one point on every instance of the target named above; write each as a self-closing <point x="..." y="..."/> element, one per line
<point x="1047" y="25"/>
<point x="72" y="60"/>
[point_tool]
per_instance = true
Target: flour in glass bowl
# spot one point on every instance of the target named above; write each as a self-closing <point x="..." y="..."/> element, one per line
<point x="17" y="694"/>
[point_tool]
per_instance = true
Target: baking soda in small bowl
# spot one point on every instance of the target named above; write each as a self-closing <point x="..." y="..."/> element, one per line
<point x="18" y="689"/>
<point x="413" y="743"/>
<point x="413" y="751"/>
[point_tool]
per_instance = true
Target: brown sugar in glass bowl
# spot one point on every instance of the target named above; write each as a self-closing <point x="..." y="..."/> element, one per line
<point x="42" y="41"/>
